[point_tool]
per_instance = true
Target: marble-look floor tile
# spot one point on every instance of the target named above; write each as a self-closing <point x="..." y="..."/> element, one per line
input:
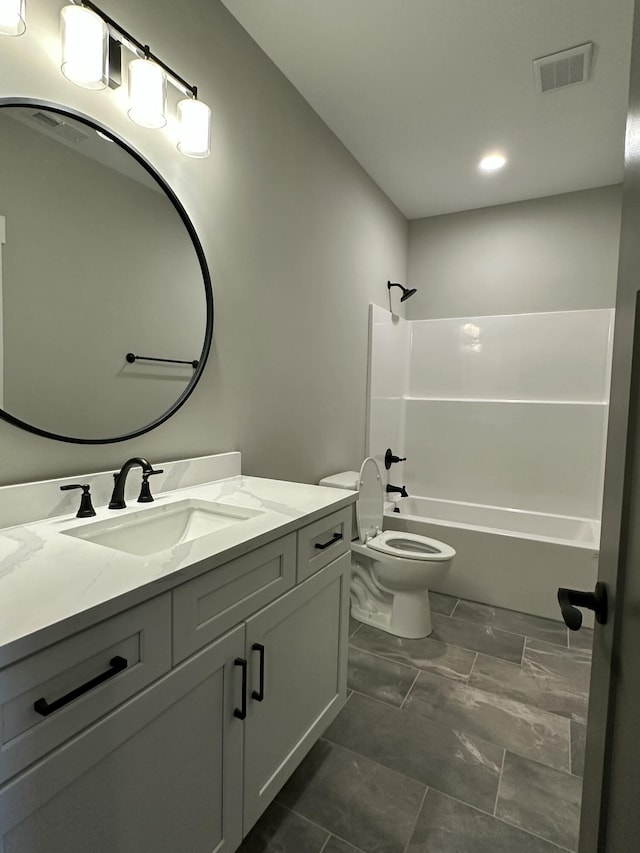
<point x="441" y="603"/>
<point x="569" y="669"/>
<point x="336" y="845"/>
<point x="356" y="799"/>
<point x="531" y="685"/>
<point x="446" y="825"/>
<point x="427" y="654"/>
<point x="478" y="638"/>
<point x="513" y="621"/>
<point x="582" y="639"/>
<point x="578" y="744"/>
<point x="540" y="800"/>
<point x="281" y="831"/>
<point x="505" y="722"/>
<point x="378" y="677"/>
<point x="353" y="625"/>
<point x="454" y="762"/>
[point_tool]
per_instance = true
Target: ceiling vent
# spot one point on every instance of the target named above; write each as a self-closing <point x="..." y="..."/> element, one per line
<point x="566" y="68"/>
<point x="58" y="127"/>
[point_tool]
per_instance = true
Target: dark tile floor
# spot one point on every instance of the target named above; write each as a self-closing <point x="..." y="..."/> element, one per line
<point x="469" y="741"/>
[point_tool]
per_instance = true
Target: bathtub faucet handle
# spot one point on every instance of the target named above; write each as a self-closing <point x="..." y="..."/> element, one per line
<point x="399" y="490"/>
<point x="389" y="459"/>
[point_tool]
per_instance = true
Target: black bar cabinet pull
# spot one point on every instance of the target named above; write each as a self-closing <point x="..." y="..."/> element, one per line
<point x="258" y="695"/>
<point x="335" y="538"/>
<point x="41" y="706"/>
<point x="570" y="599"/>
<point x="131" y="357"/>
<point x="241" y="712"/>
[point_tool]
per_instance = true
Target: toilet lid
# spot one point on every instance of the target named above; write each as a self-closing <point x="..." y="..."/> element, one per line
<point x="411" y="546"/>
<point x="370" y="504"/>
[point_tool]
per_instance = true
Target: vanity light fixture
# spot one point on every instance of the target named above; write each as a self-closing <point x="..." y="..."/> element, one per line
<point x="147" y="93"/>
<point x="85" y="39"/>
<point x="13" y="19"/>
<point x="194" y="128"/>
<point x="91" y="58"/>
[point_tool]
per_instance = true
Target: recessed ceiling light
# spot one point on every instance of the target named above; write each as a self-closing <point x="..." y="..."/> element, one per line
<point x="492" y="162"/>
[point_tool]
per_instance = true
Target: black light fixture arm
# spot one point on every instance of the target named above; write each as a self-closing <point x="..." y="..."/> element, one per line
<point x="142" y="49"/>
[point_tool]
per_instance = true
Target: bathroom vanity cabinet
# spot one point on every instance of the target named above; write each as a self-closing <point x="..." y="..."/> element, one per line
<point x="230" y="678"/>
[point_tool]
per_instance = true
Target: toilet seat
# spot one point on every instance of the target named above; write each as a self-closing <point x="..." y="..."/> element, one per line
<point x="411" y="546"/>
<point x="369" y="513"/>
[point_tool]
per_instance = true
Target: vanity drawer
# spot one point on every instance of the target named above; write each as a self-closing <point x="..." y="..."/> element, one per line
<point x="321" y="542"/>
<point x="78" y="680"/>
<point x="208" y="606"/>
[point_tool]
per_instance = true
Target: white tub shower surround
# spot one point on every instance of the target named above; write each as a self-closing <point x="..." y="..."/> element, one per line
<point x="503" y="422"/>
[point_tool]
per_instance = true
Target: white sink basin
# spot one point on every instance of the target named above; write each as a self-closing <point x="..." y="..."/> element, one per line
<point x="157" y="528"/>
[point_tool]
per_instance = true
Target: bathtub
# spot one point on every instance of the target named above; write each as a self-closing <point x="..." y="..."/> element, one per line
<point x="506" y="557"/>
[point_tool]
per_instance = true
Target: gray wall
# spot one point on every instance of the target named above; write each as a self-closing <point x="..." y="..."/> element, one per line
<point x="298" y="238"/>
<point x="549" y="254"/>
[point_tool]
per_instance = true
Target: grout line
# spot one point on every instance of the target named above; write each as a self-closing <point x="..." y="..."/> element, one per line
<point x="375" y="699"/>
<point x="475" y="661"/>
<point x="454" y="608"/>
<point x="409" y="690"/>
<point x="326" y="842"/>
<point x="415" y="823"/>
<point x="495" y="805"/>
<point x="353" y="633"/>
<point x="384" y="767"/>
<point x="389" y="660"/>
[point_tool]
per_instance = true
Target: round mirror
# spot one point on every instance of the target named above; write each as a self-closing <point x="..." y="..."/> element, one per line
<point x="106" y="309"/>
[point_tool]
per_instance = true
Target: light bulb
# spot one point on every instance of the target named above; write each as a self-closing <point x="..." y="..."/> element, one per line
<point x="12" y="17"/>
<point x="194" y="128"/>
<point x="492" y="162"/>
<point x="85" y="47"/>
<point x="147" y="93"/>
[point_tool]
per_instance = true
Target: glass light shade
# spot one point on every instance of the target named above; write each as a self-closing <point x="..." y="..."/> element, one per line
<point x="85" y="47"/>
<point x="147" y="93"/>
<point x="12" y="17"/>
<point x="194" y="128"/>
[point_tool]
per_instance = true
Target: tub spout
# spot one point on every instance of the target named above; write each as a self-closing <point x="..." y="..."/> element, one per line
<point x="400" y="490"/>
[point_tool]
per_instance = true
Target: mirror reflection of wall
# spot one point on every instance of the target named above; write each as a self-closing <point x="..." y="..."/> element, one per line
<point x="2" y="241"/>
<point x="97" y="263"/>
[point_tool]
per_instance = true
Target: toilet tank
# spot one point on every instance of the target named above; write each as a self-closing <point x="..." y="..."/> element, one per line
<point x="345" y="480"/>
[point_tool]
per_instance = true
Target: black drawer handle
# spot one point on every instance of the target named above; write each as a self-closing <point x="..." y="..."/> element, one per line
<point x="241" y="712"/>
<point x="258" y="695"/>
<point x="41" y="706"/>
<point x="322" y="545"/>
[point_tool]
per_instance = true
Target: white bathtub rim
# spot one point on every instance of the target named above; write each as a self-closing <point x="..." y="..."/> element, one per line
<point x="592" y="523"/>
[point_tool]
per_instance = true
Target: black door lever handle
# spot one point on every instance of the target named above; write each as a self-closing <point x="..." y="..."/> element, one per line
<point x="570" y="599"/>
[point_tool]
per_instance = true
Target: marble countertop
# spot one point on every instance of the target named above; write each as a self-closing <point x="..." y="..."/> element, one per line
<point x="53" y="585"/>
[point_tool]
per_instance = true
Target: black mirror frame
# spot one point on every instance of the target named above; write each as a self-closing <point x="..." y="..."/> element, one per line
<point x="208" y="338"/>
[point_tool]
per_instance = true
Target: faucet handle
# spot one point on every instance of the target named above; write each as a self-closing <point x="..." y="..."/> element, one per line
<point x="145" y="496"/>
<point x="86" y="509"/>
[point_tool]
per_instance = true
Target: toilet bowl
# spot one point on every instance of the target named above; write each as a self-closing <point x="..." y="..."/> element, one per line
<point x="391" y="571"/>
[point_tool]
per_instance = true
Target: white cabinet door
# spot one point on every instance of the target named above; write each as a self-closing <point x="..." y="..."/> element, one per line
<point x="302" y="640"/>
<point x="163" y="773"/>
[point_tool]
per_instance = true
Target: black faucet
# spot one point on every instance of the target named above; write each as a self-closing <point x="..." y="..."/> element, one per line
<point x="400" y="490"/>
<point x="117" y="498"/>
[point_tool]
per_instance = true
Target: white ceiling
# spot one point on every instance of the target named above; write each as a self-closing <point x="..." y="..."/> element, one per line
<point x="420" y="90"/>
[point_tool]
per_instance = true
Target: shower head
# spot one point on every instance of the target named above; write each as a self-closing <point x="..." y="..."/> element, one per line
<point x="406" y="292"/>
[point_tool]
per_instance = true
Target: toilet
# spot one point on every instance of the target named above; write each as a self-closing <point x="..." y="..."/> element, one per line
<point x="391" y="571"/>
